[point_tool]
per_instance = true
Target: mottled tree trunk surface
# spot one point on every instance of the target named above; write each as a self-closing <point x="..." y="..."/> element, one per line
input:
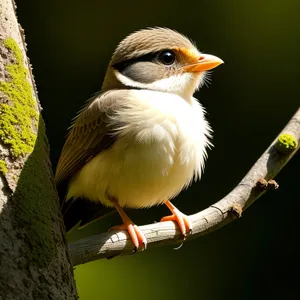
<point x="34" y="263"/>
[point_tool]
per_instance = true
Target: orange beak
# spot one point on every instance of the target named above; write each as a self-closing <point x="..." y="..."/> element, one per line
<point x="204" y="63"/>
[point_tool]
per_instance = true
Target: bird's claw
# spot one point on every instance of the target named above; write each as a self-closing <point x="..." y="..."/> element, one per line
<point x="137" y="237"/>
<point x="182" y="220"/>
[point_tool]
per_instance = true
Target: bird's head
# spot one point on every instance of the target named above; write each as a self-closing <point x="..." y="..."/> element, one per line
<point x="159" y="59"/>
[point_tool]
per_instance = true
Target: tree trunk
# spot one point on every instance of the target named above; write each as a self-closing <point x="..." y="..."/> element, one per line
<point x="34" y="263"/>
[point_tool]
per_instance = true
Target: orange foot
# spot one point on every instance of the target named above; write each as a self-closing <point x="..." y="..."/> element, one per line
<point x="136" y="235"/>
<point x="180" y="218"/>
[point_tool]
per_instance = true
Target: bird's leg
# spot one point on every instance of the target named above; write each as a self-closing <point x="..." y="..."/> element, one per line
<point x="178" y="217"/>
<point x="136" y="235"/>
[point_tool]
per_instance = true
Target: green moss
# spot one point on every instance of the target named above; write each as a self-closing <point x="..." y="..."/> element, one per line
<point x="3" y="168"/>
<point x="18" y="117"/>
<point x="35" y="208"/>
<point x="286" y="143"/>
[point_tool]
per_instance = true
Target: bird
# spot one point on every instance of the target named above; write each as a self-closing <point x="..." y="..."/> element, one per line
<point x="143" y="138"/>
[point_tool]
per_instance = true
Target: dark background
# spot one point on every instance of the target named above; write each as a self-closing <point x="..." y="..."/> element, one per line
<point x="251" y="98"/>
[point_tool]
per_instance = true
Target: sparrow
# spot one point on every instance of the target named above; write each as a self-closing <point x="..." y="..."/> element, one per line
<point x="143" y="138"/>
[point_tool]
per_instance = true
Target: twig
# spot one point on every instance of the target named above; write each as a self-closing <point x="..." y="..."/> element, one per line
<point x="252" y="186"/>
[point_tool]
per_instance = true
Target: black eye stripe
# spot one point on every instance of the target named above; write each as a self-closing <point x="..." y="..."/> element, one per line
<point x="124" y="64"/>
<point x="147" y="57"/>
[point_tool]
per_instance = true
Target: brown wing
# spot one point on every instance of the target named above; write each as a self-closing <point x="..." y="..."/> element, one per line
<point x="90" y="134"/>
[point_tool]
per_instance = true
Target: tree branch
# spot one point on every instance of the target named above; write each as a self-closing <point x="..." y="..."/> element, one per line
<point x="252" y="186"/>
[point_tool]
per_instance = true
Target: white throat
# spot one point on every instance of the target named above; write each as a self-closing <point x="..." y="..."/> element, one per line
<point x="183" y="85"/>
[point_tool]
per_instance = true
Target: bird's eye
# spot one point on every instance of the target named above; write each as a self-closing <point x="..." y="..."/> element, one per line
<point x="166" y="57"/>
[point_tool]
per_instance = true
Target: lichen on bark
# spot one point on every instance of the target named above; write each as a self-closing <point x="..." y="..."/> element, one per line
<point x="18" y="115"/>
<point x="21" y="134"/>
<point x="34" y="260"/>
<point x="3" y="167"/>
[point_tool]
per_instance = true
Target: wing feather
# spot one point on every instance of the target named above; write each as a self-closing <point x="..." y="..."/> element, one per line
<point x="92" y="132"/>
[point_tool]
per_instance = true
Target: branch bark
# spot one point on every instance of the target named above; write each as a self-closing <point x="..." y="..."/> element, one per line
<point x="252" y="186"/>
<point x="34" y="263"/>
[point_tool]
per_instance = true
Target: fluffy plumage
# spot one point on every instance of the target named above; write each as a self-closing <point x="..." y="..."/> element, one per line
<point x="159" y="148"/>
<point x="144" y="137"/>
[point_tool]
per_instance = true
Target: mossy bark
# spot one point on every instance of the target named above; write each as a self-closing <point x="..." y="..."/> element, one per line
<point x="34" y="262"/>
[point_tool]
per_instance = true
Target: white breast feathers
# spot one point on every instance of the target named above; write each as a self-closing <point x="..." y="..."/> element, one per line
<point x="159" y="151"/>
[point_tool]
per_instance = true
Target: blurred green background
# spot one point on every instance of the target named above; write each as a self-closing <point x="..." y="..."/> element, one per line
<point x="251" y="98"/>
